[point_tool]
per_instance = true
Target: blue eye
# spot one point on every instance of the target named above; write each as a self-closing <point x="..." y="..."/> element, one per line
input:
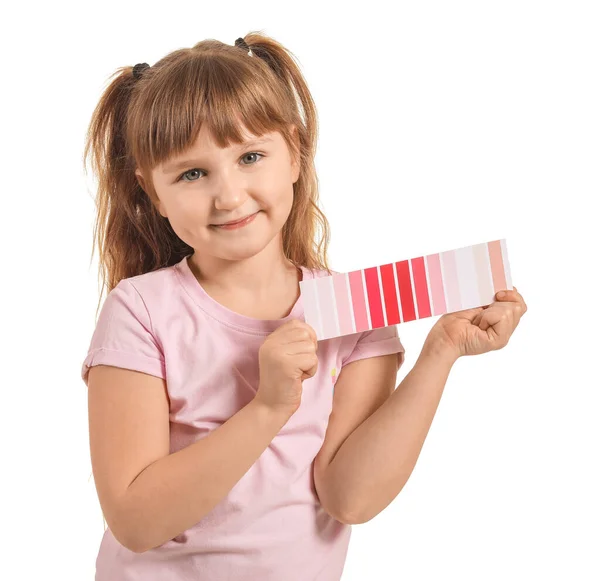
<point x="195" y="169"/>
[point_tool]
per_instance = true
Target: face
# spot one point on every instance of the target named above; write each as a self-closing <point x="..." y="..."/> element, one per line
<point x="206" y="187"/>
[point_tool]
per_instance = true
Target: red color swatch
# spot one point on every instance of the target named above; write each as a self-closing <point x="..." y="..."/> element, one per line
<point x="374" y="297"/>
<point x="405" y="288"/>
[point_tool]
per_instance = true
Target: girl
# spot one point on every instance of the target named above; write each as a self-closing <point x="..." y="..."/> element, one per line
<point x="218" y="447"/>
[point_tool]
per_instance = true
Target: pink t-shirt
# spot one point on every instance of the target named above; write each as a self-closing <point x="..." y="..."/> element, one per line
<point x="271" y="525"/>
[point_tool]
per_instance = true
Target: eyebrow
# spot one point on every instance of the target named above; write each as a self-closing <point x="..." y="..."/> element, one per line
<point x="179" y="165"/>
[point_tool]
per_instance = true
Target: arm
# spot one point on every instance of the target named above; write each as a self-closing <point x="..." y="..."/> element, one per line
<point x="375" y="461"/>
<point x="149" y="496"/>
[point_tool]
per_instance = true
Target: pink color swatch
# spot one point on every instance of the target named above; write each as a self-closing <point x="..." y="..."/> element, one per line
<point x="407" y="290"/>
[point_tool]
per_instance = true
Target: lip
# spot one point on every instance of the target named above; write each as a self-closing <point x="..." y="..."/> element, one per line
<point x="237" y="224"/>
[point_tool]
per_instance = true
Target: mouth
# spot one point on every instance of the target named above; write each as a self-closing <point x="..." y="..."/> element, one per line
<point x="236" y="223"/>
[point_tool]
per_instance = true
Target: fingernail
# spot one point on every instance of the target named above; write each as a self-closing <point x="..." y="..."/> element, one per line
<point x="501" y="294"/>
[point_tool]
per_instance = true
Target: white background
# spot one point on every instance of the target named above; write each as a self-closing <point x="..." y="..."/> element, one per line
<point x="442" y="124"/>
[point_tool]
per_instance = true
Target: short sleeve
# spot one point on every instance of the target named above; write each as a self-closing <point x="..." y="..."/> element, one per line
<point x="382" y="341"/>
<point x="124" y="336"/>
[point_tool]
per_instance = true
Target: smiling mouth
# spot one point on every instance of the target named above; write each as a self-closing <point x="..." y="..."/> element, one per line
<point x="239" y="222"/>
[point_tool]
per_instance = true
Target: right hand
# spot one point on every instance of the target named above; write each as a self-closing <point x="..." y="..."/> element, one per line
<point x="287" y="357"/>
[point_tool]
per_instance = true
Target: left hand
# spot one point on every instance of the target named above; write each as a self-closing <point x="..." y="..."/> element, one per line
<point x="476" y="331"/>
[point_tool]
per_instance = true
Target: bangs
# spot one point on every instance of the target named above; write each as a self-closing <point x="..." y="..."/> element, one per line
<point x="227" y="92"/>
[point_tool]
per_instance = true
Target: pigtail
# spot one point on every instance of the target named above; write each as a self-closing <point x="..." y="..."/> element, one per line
<point x="130" y="234"/>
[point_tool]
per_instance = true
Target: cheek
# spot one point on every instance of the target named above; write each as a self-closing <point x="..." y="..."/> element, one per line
<point x="192" y="209"/>
<point x="189" y="219"/>
<point x="280" y="199"/>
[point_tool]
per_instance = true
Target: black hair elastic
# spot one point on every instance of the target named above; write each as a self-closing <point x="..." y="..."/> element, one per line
<point x="241" y="42"/>
<point x="139" y="69"/>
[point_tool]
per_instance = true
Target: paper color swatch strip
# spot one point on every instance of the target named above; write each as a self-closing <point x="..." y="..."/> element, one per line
<point x="399" y="292"/>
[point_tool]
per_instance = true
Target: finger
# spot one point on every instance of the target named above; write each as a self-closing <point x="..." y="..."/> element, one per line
<point x="500" y="307"/>
<point x="297" y="325"/>
<point x="309" y="364"/>
<point x="515" y="303"/>
<point x="301" y="337"/>
<point x="517" y="295"/>
<point x="313" y="334"/>
<point x="499" y="318"/>
<point x="506" y="296"/>
<point x="295" y="331"/>
<point x="511" y="295"/>
<point x="312" y="370"/>
<point x="484" y="324"/>
<point x="300" y="347"/>
<point x="521" y="300"/>
<point x="512" y="311"/>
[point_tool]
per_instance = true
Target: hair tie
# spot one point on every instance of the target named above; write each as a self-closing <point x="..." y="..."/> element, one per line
<point x="139" y="69"/>
<point x="241" y="42"/>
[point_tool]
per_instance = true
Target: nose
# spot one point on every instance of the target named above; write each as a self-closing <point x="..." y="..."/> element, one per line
<point x="230" y="194"/>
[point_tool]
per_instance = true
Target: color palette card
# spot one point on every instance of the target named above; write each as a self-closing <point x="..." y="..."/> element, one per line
<point x="416" y="288"/>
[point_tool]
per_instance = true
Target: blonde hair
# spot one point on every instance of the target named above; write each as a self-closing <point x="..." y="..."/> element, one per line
<point x="142" y="123"/>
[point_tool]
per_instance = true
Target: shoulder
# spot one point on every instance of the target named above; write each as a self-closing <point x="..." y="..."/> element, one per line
<point x="155" y="282"/>
<point x="147" y="298"/>
<point x="155" y="290"/>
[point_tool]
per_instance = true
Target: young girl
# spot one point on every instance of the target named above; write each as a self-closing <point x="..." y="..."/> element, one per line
<point x="226" y="443"/>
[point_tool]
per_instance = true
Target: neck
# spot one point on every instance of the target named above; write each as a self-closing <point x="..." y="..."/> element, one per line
<point x="256" y="275"/>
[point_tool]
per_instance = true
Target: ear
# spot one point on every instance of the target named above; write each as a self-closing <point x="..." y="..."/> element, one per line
<point x="150" y="193"/>
<point x="140" y="179"/>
